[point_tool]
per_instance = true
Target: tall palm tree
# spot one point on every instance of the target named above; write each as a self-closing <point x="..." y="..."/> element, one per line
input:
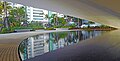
<point x="54" y="19"/>
<point x="5" y="7"/>
<point x="79" y="22"/>
<point x="1" y="7"/>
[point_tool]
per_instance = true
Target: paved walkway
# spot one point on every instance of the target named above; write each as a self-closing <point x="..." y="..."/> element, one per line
<point x="9" y="44"/>
<point x="102" y="48"/>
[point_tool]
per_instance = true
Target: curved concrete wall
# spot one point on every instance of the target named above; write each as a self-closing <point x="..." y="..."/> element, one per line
<point x="85" y="9"/>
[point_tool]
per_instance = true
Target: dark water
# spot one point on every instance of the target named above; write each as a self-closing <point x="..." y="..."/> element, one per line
<point x="43" y="43"/>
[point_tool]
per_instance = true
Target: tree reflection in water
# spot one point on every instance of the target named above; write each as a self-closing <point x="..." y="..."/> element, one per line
<point x="43" y="43"/>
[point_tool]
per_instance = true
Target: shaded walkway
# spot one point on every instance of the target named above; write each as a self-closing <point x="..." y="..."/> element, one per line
<point x="8" y="52"/>
<point x="103" y="48"/>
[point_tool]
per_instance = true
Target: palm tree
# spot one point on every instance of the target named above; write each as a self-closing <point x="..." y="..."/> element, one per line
<point x="46" y="16"/>
<point x="79" y="22"/>
<point x="4" y="9"/>
<point x="19" y="14"/>
<point x="1" y="7"/>
<point x="54" y="19"/>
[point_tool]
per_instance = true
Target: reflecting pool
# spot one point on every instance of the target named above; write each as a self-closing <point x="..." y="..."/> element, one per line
<point x="43" y="43"/>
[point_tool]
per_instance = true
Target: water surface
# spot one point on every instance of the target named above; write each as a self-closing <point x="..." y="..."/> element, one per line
<point x="48" y="42"/>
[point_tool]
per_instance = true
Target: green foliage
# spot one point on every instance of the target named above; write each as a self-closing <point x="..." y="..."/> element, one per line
<point x="1" y="7"/>
<point x="12" y="19"/>
<point x="0" y="10"/>
<point x="13" y="22"/>
<point x="61" y="21"/>
<point x="52" y="21"/>
<point x="54" y="18"/>
<point x="35" y="25"/>
<point x="51" y="28"/>
<point x="72" y="26"/>
<point x="22" y="27"/>
<point x="63" y="34"/>
<point x="90" y="22"/>
<point x="4" y="4"/>
<point x="62" y="26"/>
<point x="65" y="27"/>
<point x="46" y="16"/>
<point x="18" y="14"/>
<point x="22" y="47"/>
<point x="57" y="26"/>
<point x="1" y="20"/>
<point x="1" y="25"/>
<point x="5" y="8"/>
<point x="59" y="35"/>
<point x="6" y="30"/>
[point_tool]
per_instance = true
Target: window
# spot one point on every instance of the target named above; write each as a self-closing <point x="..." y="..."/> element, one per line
<point x="38" y="18"/>
<point x="38" y="13"/>
<point x="38" y="10"/>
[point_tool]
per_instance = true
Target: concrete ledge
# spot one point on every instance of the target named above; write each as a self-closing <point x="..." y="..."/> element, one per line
<point x="61" y="28"/>
<point x="23" y="30"/>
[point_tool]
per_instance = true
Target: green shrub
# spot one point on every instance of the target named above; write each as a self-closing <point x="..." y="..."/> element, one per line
<point x="4" y="30"/>
<point x="65" y="27"/>
<point x="1" y="25"/>
<point x="49" y="28"/>
<point x="57" y="26"/>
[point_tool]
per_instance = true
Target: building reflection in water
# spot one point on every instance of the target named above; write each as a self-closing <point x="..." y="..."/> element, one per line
<point x="43" y="43"/>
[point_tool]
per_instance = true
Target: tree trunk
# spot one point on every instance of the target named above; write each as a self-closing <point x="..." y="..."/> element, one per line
<point x="6" y="25"/>
<point x="79" y="22"/>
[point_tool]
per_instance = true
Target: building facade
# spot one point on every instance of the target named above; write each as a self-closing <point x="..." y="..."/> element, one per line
<point x="37" y="45"/>
<point x="35" y="14"/>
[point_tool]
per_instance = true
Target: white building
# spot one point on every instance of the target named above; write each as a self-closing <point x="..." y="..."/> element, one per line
<point x="58" y="14"/>
<point x="35" y="14"/>
<point x="37" y="45"/>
